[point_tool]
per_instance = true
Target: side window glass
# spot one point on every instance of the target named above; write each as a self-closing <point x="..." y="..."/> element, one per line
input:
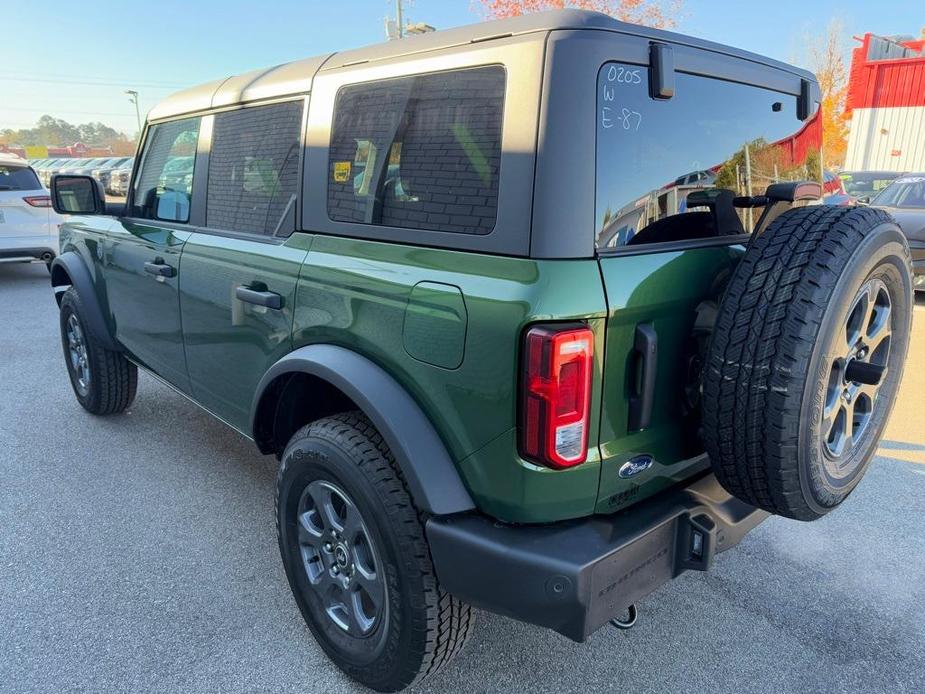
<point x="254" y="169"/>
<point x="420" y="152"/>
<point x="164" y="186"/>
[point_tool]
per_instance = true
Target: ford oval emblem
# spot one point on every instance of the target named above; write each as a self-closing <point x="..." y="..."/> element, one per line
<point x="634" y="466"/>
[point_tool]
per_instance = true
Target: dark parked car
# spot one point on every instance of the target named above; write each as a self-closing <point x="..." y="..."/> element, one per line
<point x="864" y="185"/>
<point x="407" y="271"/>
<point x="904" y="199"/>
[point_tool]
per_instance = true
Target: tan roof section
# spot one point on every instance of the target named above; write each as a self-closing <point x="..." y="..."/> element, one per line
<point x="290" y="78"/>
<point x="296" y="77"/>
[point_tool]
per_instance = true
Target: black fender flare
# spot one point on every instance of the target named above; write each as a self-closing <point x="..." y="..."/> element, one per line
<point x="75" y="267"/>
<point x="428" y="469"/>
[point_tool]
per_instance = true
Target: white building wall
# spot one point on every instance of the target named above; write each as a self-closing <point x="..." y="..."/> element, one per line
<point x="877" y="134"/>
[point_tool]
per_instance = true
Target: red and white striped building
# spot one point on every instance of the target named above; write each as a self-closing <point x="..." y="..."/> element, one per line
<point x="886" y="104"/>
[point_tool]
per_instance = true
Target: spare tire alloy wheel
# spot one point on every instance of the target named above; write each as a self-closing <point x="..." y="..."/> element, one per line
<point x="339" y="558"/>
<point x="856" y="376"/>
<point x="806" y="358"/>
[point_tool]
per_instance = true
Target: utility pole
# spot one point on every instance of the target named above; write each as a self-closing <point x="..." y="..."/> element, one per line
<point x="398" y="17"/>
<point x="133" y="97"/>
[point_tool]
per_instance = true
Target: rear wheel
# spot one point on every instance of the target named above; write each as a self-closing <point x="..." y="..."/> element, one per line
<point x="104" y="381"/>
<point x="806" y="358"/>
<point x="357" y="559"/>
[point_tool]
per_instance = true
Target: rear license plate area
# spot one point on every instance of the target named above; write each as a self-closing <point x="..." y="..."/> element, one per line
<point x="631" y="573"/>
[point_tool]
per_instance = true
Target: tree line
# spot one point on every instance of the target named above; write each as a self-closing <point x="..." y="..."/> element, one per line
<point x="52" y="131"/>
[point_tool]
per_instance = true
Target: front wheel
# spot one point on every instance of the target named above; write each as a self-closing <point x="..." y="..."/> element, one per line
<point x="103" y="381"/>
<point x="357" y="559"/>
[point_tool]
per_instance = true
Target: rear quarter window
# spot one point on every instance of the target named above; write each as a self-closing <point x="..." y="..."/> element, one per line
<point x="421" y="152"/>
<point x="18" y="178"/>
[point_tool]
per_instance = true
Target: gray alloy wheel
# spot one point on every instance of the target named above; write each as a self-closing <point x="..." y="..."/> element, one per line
<point x="356" y="556"/>
<point x="855" y="377"/>
<point x="77" y="355"/>
<point x="340" y="559"/>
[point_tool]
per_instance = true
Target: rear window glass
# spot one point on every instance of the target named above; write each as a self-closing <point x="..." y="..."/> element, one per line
<point x="18" y="178"/>
<point x="669" y="170"/>
<point x="420" y="152"/>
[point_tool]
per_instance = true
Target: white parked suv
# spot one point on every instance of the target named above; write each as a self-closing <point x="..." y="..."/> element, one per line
<point x="28" y="225"/>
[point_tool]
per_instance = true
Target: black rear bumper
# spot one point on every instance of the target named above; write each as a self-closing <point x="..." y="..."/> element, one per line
<point x="574" y="576"/>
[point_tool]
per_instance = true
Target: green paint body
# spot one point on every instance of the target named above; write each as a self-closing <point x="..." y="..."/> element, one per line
<point x="447" y="325"/>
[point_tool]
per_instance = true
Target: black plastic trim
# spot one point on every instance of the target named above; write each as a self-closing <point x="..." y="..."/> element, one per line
<point x="805" y="100"/>
<point x="671" y="246"/>
<point x="428" y="469"/>
<point x="645" y="352"/>
<point x="574" y="576"/>
<point x="259" y="297"/>
<point x="661" y="73"/>
<point x="81" y="281"/>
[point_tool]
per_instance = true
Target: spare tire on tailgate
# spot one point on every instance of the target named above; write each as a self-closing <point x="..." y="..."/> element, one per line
<point x="806" y="357"/>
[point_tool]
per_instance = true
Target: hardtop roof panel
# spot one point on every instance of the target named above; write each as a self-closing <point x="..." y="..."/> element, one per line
<point x="297" y="77"/>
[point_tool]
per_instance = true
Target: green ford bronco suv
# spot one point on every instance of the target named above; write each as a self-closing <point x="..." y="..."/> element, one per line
<point x="536" y="315"/>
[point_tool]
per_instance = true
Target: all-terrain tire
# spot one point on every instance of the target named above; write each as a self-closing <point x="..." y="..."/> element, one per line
<point x="777" y="386"/>
<point x="111" y="380"/>
<point x="421" y="628"/>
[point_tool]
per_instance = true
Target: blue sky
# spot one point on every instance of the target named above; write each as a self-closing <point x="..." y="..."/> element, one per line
<point x="74" y="59"/>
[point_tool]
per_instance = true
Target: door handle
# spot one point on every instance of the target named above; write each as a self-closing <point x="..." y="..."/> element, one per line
<point x="259" y="298"/>
<point x="159" y="268"/>
<point x="645" y="370"/>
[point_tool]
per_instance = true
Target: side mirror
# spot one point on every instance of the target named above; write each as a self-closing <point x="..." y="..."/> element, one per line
<point x="863" y="200"/>
<point x="77" y="195"/>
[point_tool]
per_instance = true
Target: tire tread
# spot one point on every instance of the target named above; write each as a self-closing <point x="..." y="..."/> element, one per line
<point x="764" y="337"/>
<point x="443" y="623"/>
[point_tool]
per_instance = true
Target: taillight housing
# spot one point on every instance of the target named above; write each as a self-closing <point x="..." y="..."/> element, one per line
<point x="38" y="200"/>
<point x="556" y="394"/>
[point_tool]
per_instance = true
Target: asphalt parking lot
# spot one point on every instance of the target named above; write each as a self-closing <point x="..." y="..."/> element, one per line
<point x="138" y="553"/>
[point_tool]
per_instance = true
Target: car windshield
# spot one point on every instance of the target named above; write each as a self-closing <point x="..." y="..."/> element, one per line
<point x="906" y="192"/>
<point x="18" y="178"/>
<point x="866" y="183"/>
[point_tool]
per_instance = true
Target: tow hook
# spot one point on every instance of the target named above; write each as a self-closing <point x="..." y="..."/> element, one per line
<point x="631" y="615"/>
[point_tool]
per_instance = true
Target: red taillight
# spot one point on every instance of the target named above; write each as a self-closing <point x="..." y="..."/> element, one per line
<point x="556" y="403"/>
<point x="38" y="201"/>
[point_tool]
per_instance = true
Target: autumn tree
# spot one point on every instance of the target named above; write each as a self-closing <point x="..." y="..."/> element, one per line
<point x="826" y="57"/>
<point x="654" y="13"/>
